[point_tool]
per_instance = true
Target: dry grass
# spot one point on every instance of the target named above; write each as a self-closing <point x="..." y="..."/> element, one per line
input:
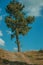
<point x="32" y="57"/>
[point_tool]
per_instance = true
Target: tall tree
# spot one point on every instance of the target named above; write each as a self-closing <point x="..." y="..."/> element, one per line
<point x="17" y="20"/>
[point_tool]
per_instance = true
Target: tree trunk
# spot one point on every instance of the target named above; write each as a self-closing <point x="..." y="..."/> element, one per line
<point x="17" y="41"/>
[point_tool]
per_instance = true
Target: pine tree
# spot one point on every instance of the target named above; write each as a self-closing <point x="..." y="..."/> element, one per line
<point x="17" y="21"/>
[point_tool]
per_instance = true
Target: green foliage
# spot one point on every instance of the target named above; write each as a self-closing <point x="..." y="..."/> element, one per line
<point x="40" y="51"/>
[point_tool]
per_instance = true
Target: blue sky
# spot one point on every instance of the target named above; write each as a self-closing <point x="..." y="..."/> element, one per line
<point x="33" y="40"/>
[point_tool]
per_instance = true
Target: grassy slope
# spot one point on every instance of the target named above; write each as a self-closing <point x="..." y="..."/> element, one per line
<point x="31" y="57"/>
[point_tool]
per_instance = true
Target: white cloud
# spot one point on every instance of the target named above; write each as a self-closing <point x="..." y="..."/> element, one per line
<point x="33" y="3"/>
<point x="15" y="49"/>
<point x="0" y="10"/>
<point x="1" y="34"/>
<point x="1" y="17"/>
<point x="0" y="13"/>
<point x="9" y="32"/>
<point x="33" y="6"/>
<point x="34" y="11"/>
<point x="2" y="42"/>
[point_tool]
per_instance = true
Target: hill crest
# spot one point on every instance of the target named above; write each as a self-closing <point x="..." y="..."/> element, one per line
<point x="31" y="57"/>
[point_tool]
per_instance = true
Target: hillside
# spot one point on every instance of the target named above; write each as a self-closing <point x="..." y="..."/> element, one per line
<point x="21" y="58"/>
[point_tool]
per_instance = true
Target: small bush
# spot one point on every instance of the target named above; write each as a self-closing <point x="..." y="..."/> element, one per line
<point x="41" y="51"/>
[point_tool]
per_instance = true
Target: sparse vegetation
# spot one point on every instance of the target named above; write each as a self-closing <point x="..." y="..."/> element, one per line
<point x="30" y="58"/>
<point x="40" y="51"/>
